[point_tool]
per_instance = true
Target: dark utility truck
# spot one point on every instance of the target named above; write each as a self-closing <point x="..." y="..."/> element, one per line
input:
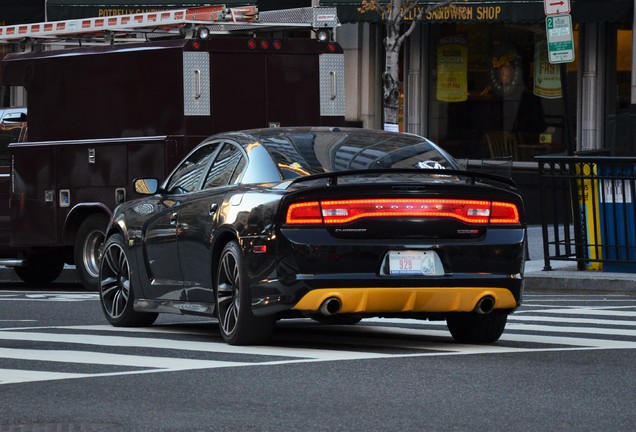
<point x="101" y="115"/>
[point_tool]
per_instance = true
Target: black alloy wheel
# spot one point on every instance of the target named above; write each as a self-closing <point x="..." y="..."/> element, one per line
<point x="237" y="323"/>
<point x="115" y="287"/>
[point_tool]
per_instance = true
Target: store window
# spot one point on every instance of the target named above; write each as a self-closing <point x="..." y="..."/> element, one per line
<point x="492" y="92"/>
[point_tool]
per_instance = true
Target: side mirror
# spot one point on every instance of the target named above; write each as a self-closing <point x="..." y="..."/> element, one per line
<point x="147" y="186"/>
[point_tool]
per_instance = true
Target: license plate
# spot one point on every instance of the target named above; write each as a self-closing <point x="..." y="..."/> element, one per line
<point x="412" y="263"/>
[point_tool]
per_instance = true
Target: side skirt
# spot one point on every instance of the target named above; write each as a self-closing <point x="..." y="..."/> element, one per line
<point x="175" y="307"/>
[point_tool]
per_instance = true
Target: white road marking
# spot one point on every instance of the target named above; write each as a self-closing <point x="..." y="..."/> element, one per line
<point x="15" y="376"/>
<point x="51" y="297"/>
<point x="215" y="347"/>
<point x="546" y="329"/>
<point x="608" y="322"/>
<point x="100" y="358"/>
<point x="611" y="311"/>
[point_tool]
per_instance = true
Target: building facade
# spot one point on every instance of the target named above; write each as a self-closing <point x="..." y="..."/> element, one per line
<point x="476" y="70"/>
<point x="474" y="75"/>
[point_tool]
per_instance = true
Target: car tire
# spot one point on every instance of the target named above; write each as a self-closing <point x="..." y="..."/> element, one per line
<point x="116" y="291"/>
<point x="90" y="238"/>
<point x="41" y="269"/>
<point x="237" y="323"/>
<point x="477" y="328"/>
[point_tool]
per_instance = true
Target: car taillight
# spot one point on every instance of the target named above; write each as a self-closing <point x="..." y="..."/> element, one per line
<point x="504" y="213"/>
<point x="304" y="213"/>
<point x="479" y="212"/>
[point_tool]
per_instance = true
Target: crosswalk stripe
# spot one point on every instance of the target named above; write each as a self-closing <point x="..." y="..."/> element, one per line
<point x="205" y="346"/>
<point x="515" y="317"/>
<point x="572" y="320"/>
<point x="99" y="358"/>
<point x="586" y="311"/>
<point x="585" y="330"/>
<point x="14" y="376"/>
<point x="537" y="327"/>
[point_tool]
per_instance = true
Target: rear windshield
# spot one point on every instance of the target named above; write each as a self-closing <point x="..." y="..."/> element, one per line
<point x="318" y="152"/>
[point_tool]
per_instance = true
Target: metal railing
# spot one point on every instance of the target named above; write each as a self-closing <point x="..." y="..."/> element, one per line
<point x="588" y="211"/>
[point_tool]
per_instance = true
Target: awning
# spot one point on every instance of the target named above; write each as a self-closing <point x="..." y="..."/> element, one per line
<point x="487" y="11"/>
<point x="71" y="9"/>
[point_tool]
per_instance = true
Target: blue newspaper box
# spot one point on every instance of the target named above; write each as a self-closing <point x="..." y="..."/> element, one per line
<point x="618" y="214"/>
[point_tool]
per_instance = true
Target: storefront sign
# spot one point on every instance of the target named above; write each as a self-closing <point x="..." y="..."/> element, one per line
<point x="452" y="70"/>
<point x="560" y="38"/>
<point x="489" y="10"/>
<point x="547" y="77"/>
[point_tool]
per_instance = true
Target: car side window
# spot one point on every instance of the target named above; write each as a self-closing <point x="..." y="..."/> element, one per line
<point x="226" y="168"/>
<point x="189" y="174"/>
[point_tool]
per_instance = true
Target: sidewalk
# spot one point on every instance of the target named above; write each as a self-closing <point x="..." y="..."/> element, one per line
<point x="564" y="275"/>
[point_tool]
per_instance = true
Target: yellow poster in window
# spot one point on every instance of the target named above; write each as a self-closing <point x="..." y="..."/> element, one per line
<point x="452" y="71"/>
<point x="547" y="76"/>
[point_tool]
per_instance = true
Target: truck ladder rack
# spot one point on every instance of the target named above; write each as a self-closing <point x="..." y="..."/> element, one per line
<point x="217" y="19"/>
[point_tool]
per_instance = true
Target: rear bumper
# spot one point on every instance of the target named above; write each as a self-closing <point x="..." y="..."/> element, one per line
<point x="379" y="296"/>
<point x="406" y="300"/>
<point x="303" y="273"/>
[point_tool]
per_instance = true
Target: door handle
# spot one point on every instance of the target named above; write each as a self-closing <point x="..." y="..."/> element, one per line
<point x="213" y="208"/>
<point x="173" y="218"/>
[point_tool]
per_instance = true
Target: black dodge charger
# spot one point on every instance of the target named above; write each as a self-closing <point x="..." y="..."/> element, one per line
<point x="331" y="224"/>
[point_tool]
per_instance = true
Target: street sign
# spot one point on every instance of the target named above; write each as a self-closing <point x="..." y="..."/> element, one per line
<point x="556" y="7"/>
<point x="560" y="38"/>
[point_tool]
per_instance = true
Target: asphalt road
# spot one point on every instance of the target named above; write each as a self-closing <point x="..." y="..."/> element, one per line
<point x="565" y="362"/>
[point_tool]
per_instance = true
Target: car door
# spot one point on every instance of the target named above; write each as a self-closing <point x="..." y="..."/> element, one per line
<point x="199" y="219"/>
<point x="160" y="232"/>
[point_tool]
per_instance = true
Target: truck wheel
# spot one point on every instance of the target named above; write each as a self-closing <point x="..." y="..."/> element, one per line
<point x="41" y="269"/>
<point x="116" y="292"/>
<point x="476" y="328"/>
<point x="238" y="325"/>
<point x="90" y="238"/>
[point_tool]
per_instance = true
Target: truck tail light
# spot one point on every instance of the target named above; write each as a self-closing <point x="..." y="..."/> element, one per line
<point x="478" y="212"/>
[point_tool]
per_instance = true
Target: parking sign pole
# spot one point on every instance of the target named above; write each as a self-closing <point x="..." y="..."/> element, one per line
<point x="561" y="50"/>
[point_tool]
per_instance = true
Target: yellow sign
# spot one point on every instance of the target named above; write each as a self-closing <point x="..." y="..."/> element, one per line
<point x="547" y="77"/>
<point x="452" y="70"/>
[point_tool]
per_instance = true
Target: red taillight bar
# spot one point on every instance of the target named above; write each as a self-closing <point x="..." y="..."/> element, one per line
<point x="504" y="213"/>
<point x="478" y="212"/>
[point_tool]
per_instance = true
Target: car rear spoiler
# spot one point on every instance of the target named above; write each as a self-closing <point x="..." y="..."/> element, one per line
<point x="472" y="177"/>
